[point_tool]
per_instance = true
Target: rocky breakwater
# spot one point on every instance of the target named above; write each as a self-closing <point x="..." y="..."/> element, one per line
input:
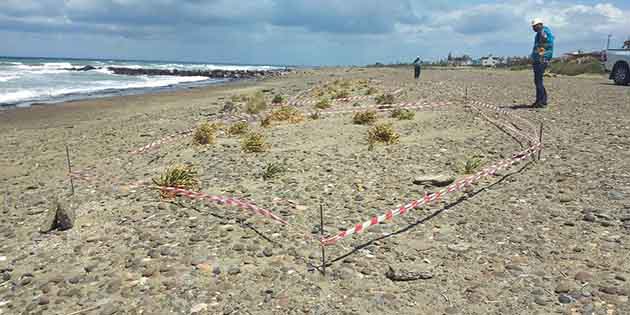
<point x="215" y="74"/>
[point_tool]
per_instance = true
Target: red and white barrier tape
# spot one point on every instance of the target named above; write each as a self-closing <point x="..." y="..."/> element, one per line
<point x="165" y="140"/>
<point x="457" y="186"/>
<point x="224" y="200"/>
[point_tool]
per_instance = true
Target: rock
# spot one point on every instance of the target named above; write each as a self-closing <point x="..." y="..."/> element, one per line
<point x="43" y="300"/>
<point x="458" y="248"/>
<point x="620" y="278"/>
<point x="611" y="291"/>
<point x="615" y="195"/>
<point x="268" y="252"/>
<point x="61" y="216"/>
<point x="201" y="307"/>
<point x="108" y="309"/>
<point x="216" y="270"/>
<point x="565" y="299"/>
<point x="589" y="217"/>
<point x="541" y="301"/>
<point x="583" y="276"/>
<point x="564" y="287"/>
<point x="434" y="180"/>
<point x="403" y="275"/>
<point x="234" y="270"/>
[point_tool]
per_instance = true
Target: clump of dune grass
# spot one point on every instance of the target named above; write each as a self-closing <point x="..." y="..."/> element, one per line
<point x="177" y="176"/>
<point x="384" y="99"/>
<point x="342" y="94"/>
<point x="272" y="170"/>
<point x="238" y="128"/>
<point x="323" y="103"/>
<point x="403" y="114"/>
<point x="278" y="99"/>
<point x="287" y="113"/>
<point x="254" y="143"/>
<point x="256" y="103"/>
<point x="383" y="133"/>
<point x="315" y="115"/>
<point x="205" y="133"/>
<point x="364" y="118"/>
<point x="469" y="165"/>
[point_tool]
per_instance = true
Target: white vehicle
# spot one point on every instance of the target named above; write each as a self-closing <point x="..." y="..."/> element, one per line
<point x="617" y="62"/>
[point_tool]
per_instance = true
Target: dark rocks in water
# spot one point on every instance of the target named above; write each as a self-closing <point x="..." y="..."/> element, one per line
<point x="84" y="68"/>
<point x="61" y="216"/>
<point x="217" y="74"/>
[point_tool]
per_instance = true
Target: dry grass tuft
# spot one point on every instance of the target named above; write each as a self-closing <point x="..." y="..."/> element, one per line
<point x="403" y="114"/>
<point x="383" y="133"/>
<point x="255" y="143"/>
<point x="205" y="133"/>
<point x="177" y="176"/>
<point x="364" y="118"/>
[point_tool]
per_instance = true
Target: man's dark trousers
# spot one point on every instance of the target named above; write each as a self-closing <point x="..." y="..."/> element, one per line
<point x="541" y="93"/>
<point x="416" y="72"/>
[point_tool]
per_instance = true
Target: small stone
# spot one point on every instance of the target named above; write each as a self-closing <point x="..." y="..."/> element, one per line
<point x="583" y="276"/>
<point x="43" y="300"/>
<point x="589" y="217"/>
<point x="238" y="247"/>
<point x="458" y="248"/>
<point x="620" y="278"/>
<point x="541" y="301"/>
<point x="610" y="290"/>
<point x="234" y="270"/>
<point x="201" y="307"/>
<point x="564" y="287"/>
<point x="268" y="252"/>
<point x="163" y="206"/>
<point x="108" y="309"/>
<point x="565" y="299"/>
<point x="434" y="180"/>
<point x="615" y="195"/>
<point x="216" y="270"/>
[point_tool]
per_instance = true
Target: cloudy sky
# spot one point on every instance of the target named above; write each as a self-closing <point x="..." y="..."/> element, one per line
<point x="300" y="32"/>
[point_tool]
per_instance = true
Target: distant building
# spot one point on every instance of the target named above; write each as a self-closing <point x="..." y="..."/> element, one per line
<point x="490" y="61"/>
<point x="464" y="60"/>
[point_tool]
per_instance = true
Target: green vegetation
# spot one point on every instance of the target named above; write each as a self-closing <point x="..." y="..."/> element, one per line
<point x="364" y="118"/>
<point x="254" y="143"/>
<point x="403" y="114"/>
<point x="177" y="176"/>
<point x="205" y="133"/>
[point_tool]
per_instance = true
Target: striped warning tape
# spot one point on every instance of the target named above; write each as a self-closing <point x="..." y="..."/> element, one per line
<point x="457" y="186"/>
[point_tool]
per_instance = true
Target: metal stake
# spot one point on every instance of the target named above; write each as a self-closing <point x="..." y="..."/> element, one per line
<point x="321" y="226"/>
<point x="69" y="169"/>
<point x="540" y="139"/>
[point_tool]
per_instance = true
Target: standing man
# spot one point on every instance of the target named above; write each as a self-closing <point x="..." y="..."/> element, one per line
<point x="416" y="67"/>
<point x="541" y="55"/>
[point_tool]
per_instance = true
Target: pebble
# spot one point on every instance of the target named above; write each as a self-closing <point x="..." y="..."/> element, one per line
<point x="458" y="248"/>
<point x="564" y="287"/>
<point x="234" y="270"/>
<point x="565" y="299"/>
<point x="589" y="217"/>
<point x="583" y="276"/>
<point x="615" y="195"/>
<point x="108" y="309"/>
<point x="201" y="307"/>
<point x="620" y="278"/>
<point x="541" y="301"/>
<point x="43" y="300"/>
<point x="268" y="252"/>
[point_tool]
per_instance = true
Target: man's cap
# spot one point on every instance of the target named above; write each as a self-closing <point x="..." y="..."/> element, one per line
<point x="537" y="21"/>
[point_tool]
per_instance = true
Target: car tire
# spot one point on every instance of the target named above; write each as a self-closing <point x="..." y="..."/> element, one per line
<point x="621" y="74"/>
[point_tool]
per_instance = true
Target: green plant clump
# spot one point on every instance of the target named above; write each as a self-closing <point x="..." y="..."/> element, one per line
<point x="205" y="133"/>
<point x="255" y="143"/>
<point x="384" y="99"/>
<point x="177" y="176"/>
<point x="364" y="118"/>
<point x="323" y="104"/>
<point x="272" y="170"/>
<point x="239" y="128"/>
<point x="383" y="133"/>
<point x="256" y="103"/>
<point x="403" y="114"/>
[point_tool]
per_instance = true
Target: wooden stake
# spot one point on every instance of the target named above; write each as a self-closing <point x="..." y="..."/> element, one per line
<point x="540" y="139"/>
<point x="69" y="169"/>
<point x="321" y="226"/>
<point x="466" y="95"/>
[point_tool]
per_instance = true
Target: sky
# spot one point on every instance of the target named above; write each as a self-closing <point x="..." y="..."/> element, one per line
<point x="301" y="32"/>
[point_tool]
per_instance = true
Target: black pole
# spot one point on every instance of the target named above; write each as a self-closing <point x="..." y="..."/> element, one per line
<point x="466" y="95"/>
<point x="69" y="169"/>
<point x="321" y="226"/>
<point x="540" y="139"/>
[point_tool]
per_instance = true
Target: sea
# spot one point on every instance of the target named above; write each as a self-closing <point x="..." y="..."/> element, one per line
<point x="28" y="81"/>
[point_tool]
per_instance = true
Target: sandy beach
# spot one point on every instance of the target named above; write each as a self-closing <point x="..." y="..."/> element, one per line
<point x="542" y="237"/>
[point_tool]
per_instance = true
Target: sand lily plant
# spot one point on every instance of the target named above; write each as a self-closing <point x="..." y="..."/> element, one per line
<point x="177" y="176"/>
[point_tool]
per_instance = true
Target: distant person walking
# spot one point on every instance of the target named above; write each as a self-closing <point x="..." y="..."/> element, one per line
<point x="416" y="67"/>
<point x="541" y="55"/>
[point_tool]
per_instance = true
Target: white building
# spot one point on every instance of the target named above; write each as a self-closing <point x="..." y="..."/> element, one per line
<point x="489" y="61"/>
